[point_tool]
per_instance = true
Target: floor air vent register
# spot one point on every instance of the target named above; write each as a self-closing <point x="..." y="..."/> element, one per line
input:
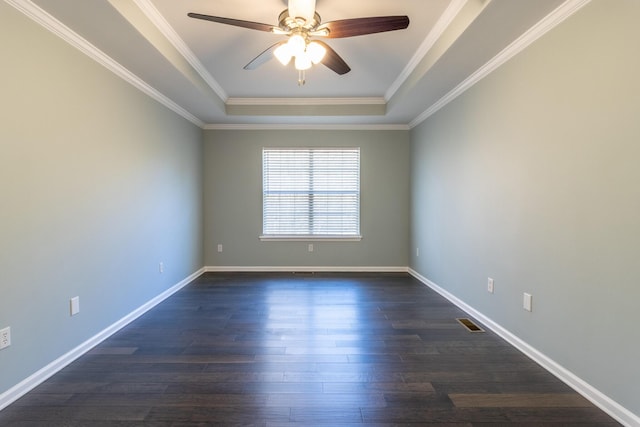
<point x="470" y="325"/>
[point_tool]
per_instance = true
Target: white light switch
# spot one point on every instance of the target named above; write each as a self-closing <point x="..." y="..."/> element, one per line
<point x="527" y="302"/>
<point x="75" y="305"/>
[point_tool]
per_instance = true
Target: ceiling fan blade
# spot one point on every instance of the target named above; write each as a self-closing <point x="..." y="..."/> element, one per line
<point x="263" y="57"/>
<point x="235" y="22"/>
<point x="363" y="26"/>
<point x="333" y="61"/>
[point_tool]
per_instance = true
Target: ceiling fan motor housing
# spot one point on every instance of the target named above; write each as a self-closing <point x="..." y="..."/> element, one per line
<point x="289" y="23"/>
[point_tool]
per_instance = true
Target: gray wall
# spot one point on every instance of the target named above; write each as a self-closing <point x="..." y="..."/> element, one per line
<point x="98" y="184"/>
<point x="233" y="200"/>
<point x="532" y="178"/>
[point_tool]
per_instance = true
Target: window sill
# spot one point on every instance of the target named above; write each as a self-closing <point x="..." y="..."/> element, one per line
<point x="311" y="238"/>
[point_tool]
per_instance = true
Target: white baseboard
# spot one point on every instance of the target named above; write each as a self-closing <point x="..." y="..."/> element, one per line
<point x="304" y="269"/>
<point x="615" y="410"/>
<point x="608" y="405"/>
<point x="29" y="383"/>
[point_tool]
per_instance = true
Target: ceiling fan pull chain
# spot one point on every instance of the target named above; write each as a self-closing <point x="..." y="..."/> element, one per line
<point x="301" y="78"/>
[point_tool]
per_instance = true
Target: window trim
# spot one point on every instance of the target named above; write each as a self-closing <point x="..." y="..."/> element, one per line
<point x="315" y="237"/>
<point x="309" y="238"/>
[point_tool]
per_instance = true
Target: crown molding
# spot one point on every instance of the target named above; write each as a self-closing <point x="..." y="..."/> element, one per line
<point x="349" y="127"/>
<point x="315" y="105"/>
<point x="50" y="23"/>
<point x="436" y="32"/>
<point x="559" y="15"/>
<point x="306" y="101"/>
<point x="298" y="107"/>
<point x="167" y="30"/>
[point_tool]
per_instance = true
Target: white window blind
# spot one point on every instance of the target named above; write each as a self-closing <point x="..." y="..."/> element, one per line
<point x="311" y="192"/>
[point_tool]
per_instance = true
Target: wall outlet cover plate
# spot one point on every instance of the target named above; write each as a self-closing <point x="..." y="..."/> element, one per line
<point x="5" y="337"/>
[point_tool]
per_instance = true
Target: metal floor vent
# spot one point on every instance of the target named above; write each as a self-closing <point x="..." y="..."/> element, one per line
<point x="471" y="327"/>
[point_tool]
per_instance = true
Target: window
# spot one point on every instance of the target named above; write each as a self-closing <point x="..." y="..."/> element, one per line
<point x="311" y="192"/>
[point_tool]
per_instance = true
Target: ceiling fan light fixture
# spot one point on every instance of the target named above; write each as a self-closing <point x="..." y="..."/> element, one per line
<point x="296" y="44"/>
<point x="316" y="52"/>
<point x="283" y="54"/>
<point x="303" y="61"/>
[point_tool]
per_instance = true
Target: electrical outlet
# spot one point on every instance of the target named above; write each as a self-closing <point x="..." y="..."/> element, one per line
<point x="5" y="337"/>
<point x="527" y="302"/>
<point x="74" y="305"/>
<point x="219" y="248"/>
<point x="417" y="252"/>
<point x="161" y="267"/>
<point x="490" y="285"/>
<point x="310" y="247"/>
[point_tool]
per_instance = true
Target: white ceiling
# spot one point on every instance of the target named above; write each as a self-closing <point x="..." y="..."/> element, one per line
<point x="397" y="78"/>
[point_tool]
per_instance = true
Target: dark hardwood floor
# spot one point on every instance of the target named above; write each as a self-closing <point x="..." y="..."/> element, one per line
<point x="303" y="350"/>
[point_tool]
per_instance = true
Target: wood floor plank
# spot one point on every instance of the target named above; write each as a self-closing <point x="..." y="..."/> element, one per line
<point x="311" y="416"/>
<point x="279" y="349"/>
<point x="359" y="387"/>
<point x="519" y="400"/>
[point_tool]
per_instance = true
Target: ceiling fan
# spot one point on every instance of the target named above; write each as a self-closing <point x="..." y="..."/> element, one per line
<point x="300" y="22"/>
